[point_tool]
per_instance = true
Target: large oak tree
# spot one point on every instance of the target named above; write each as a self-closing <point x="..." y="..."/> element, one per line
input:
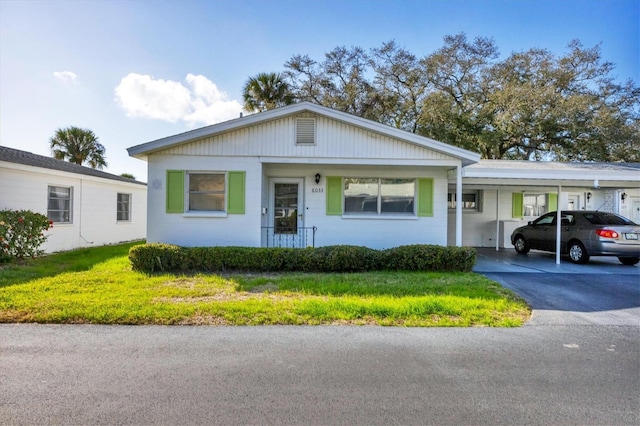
<point x="527" y="105"/>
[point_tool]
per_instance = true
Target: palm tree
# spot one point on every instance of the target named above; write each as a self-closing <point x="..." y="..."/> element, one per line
<point x="266" y="91"/>
<point x="78" y="146"/>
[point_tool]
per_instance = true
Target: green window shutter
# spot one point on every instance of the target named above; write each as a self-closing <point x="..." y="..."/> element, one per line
<point x="517" y="206"/>
<point x="425" y="197"/>
<point x="334" y="195"/>
<point x="236" y="195"/>
<point x="553" y="202"/>
<point x="175" y="191"/>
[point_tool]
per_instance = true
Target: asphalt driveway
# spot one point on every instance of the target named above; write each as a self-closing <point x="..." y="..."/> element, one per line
<point x="603" y="292"/>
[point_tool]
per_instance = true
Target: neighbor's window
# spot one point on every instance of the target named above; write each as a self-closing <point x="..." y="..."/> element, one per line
<point x="59" y="204"/>
<point x="123" y="207"/>
<point x="470" y="200"/>
<point x="535" y="204"/>
<point x="379" y="196"/>
<point x="206" y="191"/>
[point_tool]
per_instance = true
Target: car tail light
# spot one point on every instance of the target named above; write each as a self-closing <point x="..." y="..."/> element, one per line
<point x="607" y="233"/>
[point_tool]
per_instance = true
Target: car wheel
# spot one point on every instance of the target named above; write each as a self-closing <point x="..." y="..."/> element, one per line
<point x="629" y="260"/>
<point x="521" y="245"/>
<point x="577" y="252"/>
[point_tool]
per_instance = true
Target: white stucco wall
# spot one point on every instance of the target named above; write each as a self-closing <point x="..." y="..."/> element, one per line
<point x="479" y="227"/>
<point x="94" y="220"/>
<point x="376" y="232"/>
<point x="202" y="229"/>
<point x="630" y="206"/>
<point x="245" y="230"/>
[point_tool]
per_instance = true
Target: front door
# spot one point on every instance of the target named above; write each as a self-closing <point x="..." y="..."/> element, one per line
<point x="635" y="209"/>
<point x="573" y="203"/>
<point x="286" y="220"/>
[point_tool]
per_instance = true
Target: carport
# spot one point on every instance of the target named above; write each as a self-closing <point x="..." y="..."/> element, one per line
<point x="502" y="185"/>
<point x="505" y="260"/>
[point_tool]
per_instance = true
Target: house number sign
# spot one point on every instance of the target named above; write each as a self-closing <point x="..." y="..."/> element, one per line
<point x="317" y="189"/>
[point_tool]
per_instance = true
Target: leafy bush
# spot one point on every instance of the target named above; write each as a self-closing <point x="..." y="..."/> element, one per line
<point x="22" y="234"/>
<point x="344" y="258"/>
<point x="340" y="258"/>
<point x="422" y="257"/>
<point x="160" y="257"/>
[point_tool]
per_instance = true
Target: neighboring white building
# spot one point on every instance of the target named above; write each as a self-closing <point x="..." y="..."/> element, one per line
<point x="306" y="175"/>
<point x="88" y="207"/>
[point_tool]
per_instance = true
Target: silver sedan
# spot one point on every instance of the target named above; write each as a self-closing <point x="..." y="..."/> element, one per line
<point x="582" y="234"/>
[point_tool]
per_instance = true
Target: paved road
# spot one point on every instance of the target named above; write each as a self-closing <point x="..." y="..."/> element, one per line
<point x="576" y="362"/>
<point x="318" y="375"/>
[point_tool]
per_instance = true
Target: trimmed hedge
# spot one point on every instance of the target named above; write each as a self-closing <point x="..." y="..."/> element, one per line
<point x="157" y="257"/>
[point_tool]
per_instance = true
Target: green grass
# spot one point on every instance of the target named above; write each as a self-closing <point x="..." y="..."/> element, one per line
<point x="97" y="285"/>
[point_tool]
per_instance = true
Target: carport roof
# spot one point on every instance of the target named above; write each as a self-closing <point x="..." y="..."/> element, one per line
<point x="512" y="172"/>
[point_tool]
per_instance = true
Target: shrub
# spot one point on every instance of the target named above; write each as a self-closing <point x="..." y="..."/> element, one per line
<point x="340" y="258"/>
<point x="344" y="258"/>
<point x="22" y="234"/>
<point x="423" y="257"/>
<point x="158" y="257"/>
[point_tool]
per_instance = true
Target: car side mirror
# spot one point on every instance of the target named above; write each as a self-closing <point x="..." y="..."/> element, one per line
<point x="530" y="222"/>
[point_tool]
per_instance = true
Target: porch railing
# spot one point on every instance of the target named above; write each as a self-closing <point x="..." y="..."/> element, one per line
<point x="300" y="237"/>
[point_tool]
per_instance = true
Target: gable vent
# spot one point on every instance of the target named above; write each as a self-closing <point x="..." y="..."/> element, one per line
<point x="305" y="131"/>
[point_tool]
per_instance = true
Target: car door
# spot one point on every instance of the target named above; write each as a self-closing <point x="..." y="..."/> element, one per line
<point x="542" y="233"/>
<point x="568" y="229"/>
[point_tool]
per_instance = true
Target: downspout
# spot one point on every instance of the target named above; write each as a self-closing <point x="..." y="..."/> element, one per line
<point x="459" y="205"/>
<point x="80" y="211"/>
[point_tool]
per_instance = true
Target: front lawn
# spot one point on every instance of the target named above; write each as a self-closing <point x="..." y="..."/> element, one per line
<point x="97" y="286"/>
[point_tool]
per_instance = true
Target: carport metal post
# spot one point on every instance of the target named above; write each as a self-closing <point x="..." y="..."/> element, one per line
<point x="459" y="205"/>
<point x="558" y="225"/>
<point x="498" y="219"/>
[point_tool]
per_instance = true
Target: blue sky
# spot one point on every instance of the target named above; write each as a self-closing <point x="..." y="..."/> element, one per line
<point x="136" y="71"/>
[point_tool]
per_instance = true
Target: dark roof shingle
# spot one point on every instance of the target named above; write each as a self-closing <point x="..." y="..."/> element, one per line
<point x="17" y="156"/>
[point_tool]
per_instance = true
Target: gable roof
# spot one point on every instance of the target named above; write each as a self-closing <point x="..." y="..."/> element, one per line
<point x="12" y="155"/>
<point x="143" y="150"/>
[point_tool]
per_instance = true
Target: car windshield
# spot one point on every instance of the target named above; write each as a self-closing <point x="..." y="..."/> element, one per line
<point x="602" y="218"/>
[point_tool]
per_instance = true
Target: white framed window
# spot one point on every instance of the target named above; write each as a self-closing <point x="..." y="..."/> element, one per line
<point x="59" y="204"/>
<point x="123" y="207"/>
<point x="471" y="200"/>
<point x="534" y="204"/>
<point x="379" y="196"/>
<point x="206" y="191"/>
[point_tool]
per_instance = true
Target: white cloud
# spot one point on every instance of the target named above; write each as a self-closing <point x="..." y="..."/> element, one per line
<point x="199" y="102"/>
<point x="65" y="76"/>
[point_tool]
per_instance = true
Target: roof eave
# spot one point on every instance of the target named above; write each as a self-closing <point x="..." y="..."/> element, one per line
<point x="143" y="150"/>
<point x="556" y="175"/>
